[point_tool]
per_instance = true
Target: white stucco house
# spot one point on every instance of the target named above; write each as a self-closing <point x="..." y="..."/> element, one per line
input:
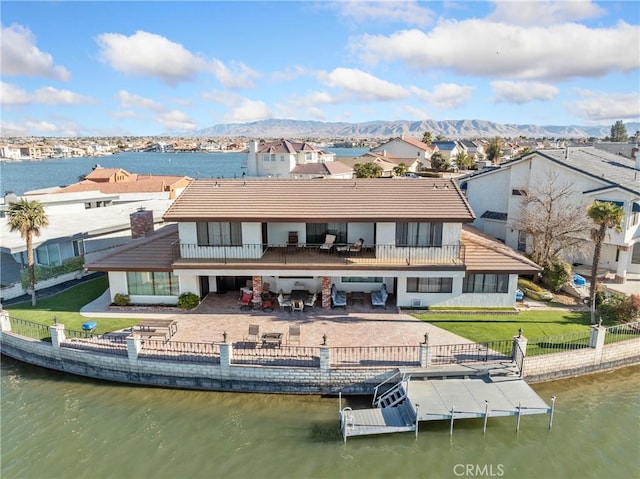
<point x="594" y="174"/>
<point x="413" y="240"/>
<point x="414" y="153"/>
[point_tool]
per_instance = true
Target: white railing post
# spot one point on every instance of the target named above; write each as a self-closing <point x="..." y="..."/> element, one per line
<point x="5" y="322"/>
<point x="57" y="335"/>
<point x="134" y="345"/>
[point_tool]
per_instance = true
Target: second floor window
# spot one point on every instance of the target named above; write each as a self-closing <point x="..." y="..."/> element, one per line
<point x="222" y="233"/>
<point x="418" y="234"/>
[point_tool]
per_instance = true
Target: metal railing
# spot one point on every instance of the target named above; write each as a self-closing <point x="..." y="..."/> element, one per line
<point x="180" y="351"/>
<point x="295" y="356"/>
<point x="110" y="343"/>
<point x="311" y="253"/>
<point x="375" y="356"/>
<point x="30" y="329"/>
<point x="72" y="333"/>
<point x="472" y="352"/>
<point x="622" y="332"/>
<point x="558" y="343"/>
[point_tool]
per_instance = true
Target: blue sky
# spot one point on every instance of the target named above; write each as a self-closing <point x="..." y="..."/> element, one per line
<point x="145" y="68"/>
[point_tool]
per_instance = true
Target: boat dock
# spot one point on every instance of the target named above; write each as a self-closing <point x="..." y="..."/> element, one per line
<point x="419" y="399"/>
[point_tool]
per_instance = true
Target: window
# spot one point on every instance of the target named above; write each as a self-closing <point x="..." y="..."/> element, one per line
<point x="48" y="255"/>
<point x="522" y="241"/>
<point x="152" y="284"/>
<point x="635" y="254"/>
<point x="361" y="279"/>
<point x="281" y="157"/>
<point x="418" y="234"/>
<point x="219" y="233"/>
<point x="429" y="285"/>
<point x="78" y="247"/>
<point x="316" y="232"/>
<point x="518" y="192"/>
<point x="486" y="283"/>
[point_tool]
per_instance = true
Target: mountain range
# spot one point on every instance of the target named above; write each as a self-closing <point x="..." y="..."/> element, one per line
<point x="458" y="129"/>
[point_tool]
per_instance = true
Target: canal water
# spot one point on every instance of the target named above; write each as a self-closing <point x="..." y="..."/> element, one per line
<point x="60" y="426"/>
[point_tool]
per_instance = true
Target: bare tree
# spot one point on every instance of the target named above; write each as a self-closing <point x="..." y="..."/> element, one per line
<point x="554" y="220"/>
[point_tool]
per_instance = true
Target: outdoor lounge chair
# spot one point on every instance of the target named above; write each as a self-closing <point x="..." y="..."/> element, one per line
<point x="294" y="334"/>
<point x="253" y="334"/>
<point x="338" y="298"/>
<point x="379" y="298"/>
<point x="284" y="303"/>
<point x="245" y="300"/>
<point x="328" y="243"/>
<point x="310" y="302"/>
<point x="352" y="248"/>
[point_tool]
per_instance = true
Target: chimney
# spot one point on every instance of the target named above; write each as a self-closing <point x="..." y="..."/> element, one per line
<point x="141" y="223"/>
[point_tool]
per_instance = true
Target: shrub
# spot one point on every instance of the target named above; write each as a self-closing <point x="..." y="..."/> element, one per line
<point x="188" y="301"/>
<point x="557" y="274"/>
<point x="525" y="283"/>
<point x="619" y="308"/>
<point x="121" y="299"/>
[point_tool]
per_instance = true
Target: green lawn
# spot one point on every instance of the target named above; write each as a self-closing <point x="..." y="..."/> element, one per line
<point x="66" y="306"/>
<point x="491" y="327"/>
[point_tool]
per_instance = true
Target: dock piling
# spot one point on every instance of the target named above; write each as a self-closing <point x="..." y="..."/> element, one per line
<point x="519" y="414"/>
<point x="553" y="405"/>
<point x="451" y="428"/>
<point x="486" y="416"/>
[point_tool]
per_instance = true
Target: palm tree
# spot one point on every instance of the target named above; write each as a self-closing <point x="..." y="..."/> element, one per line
<point x="367" y="170"/>
<point x="400" y="170"/>
<point x="28" y="217"/>
<point x="464" y="161"/>
<point x="606" y="215"/>
<point x="427" y="137"/>
<point x="494" y="152"/>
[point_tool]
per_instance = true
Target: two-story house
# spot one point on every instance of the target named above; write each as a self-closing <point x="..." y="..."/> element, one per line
<point x="415" y="154"/>
<point x="288" y="159"/>
<point x="593" y="174"/>
<point x="229" y="232"/>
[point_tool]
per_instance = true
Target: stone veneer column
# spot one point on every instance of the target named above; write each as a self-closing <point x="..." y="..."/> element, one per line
<point x="325" y="358"/>
<point x="596" y="341"/>
<point x="425" y="355"/>
<point x="134" y="345"/>
<point x="326" y="292"/>
<point x="521" y="341"/>
<point x="226" y="354"/>
<point x="57" y="334"/>
<point x="257" y="288"/>
<point x="5" y="324"/>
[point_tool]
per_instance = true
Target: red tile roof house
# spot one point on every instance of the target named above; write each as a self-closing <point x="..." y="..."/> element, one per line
<point x="229" y="231"/>
<point x="410" y="151"/>
<point x="117" y="180"/>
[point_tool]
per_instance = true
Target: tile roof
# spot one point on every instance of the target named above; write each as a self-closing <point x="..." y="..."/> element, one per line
<point x="285" y="146"/>
<point x="151" y="253"/>
<point x="313" y="200"/>
<point x="100" y="173"/>
<point x="419" y="144"/>
<point x="139" y="184"/>
<point x="321" y="169"/>
<point x="486" y="254"/>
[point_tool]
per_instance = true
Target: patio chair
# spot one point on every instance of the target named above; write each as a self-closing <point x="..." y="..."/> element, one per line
<point x="310" y="302"/>
<point x="379" y="298"/>
<point x="284" y="303"/>
<point x="328" y="243"/>
<point x="352" y="248"/>
<point x="294" y="334"/>
<point x="253" y="334"/>
<point x="245" y="300"/>
<point x="297" y="305"/>
<point x="338" y="298"/>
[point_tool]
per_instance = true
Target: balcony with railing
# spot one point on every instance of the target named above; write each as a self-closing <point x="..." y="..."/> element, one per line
<point x="311" y="254"/>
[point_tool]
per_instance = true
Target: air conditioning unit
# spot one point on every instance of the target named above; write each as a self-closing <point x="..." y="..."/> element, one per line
<point x="416" y="303"/>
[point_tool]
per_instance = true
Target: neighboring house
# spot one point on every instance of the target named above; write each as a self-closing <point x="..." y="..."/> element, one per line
<point x="279" y="159"/>
<point x="473" y="149"/>
<point x="228" y="232"/>
<point x="119" y="181"/>
<point x="413" y="153"/>
<point x="494" y="194"/>
<point x="74" y="232"/>
<point x="380" y="159"/>
<point x="448" y="149"/>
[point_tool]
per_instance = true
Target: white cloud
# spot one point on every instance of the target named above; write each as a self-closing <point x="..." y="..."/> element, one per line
<point x="130" y="100"/>
<point x="523" y="92"/>
<point x="606" y="106"/>
<point x="175" y="120"/>
<point x="123" y="114"/>
<point x="414" y="112"/>
<point x="445" y="95"/>
<point x="241" y="109"/>
<point x="249" y="110"/>
<point x="362" y="86"/>
<point x="544" y="12"/>
<point x="20" y="56"/>
<point x="9" y="128"/>
<point x="407" y="12"/>
<point x="539" y="52"/>
<point x="290" y="73"/>
<point x="13" y="95"/>
<point x="239" y="76"/>
<point x="148" y="54"/>
<point x="41" y="126"/>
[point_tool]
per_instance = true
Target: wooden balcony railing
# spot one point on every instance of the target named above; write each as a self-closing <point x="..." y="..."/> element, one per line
<point x="452" y="254"/>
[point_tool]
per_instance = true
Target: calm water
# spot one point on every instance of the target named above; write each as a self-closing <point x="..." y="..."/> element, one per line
<point x="31" y="175"/>
<point x="55" y="425"/>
